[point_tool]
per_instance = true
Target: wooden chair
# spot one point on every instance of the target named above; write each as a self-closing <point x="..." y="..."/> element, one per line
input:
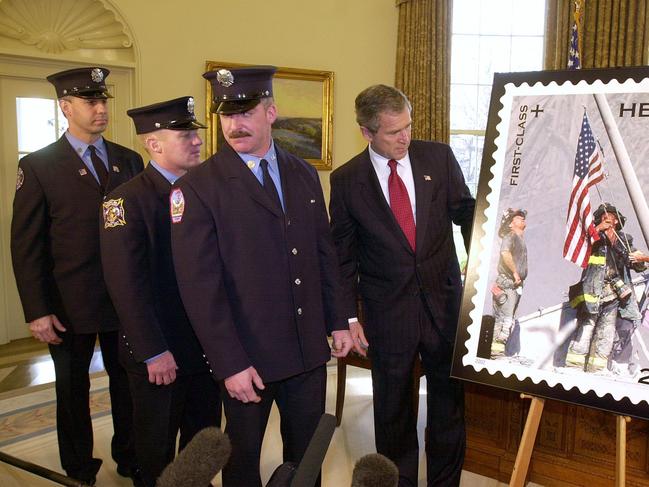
<point x="355" y="360"/>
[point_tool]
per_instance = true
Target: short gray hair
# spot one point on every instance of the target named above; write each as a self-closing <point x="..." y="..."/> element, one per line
<point x="377" y="99"/>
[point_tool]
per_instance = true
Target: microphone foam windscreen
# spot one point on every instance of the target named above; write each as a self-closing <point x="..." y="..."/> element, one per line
<point x="375" y="470"/>
<point x="197" y="464"/>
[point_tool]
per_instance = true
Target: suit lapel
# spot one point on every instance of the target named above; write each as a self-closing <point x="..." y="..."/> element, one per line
<point x="423" y="178"/>
<point x="115" y="167"/>
<point x="373" y="196"/>
<point x="73" y="160"/>
<point x="236" y="170"/>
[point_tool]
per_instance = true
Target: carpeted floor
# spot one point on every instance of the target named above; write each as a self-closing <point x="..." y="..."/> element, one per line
<point x="28" y="419"/>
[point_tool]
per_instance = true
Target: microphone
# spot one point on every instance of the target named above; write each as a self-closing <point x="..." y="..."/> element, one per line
<point x="199" y="462"/>
<point x="288" y="474"/>
<point x="309" y="468"/>
<point x="375" y="470"/>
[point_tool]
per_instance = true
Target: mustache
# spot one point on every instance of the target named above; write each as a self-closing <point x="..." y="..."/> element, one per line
<point x="238" y="134"/>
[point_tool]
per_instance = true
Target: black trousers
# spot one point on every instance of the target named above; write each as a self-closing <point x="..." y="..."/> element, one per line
<point x="73" y="423"/>
<point x="301" y="403"/>
<point x="189" y="404"/>
<point x="395" y="426"/>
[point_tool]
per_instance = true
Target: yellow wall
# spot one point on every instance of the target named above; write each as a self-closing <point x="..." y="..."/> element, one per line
<point x="356" y="39"/>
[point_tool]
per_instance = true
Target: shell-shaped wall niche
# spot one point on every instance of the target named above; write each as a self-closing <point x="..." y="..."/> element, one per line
<point x="54" y="26"/>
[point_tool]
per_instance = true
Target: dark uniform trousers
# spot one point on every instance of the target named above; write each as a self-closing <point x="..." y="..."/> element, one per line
<point x="188" y="405"/>
<point x="301" y="403"/>
<point x="73" y="424"/>
<point x="55" y="254"/>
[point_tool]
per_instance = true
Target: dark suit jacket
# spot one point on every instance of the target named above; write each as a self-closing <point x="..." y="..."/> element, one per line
<point x="260" y="287"/>
<point x="139" y="274"/>
<point x="55" y="236"/>
<point x="375" y="256"/>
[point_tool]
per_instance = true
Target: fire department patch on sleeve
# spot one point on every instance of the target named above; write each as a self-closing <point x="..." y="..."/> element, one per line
<point x="114" y="215"/>
<point x="176" y="205"/>
<point x="20" y="179"/>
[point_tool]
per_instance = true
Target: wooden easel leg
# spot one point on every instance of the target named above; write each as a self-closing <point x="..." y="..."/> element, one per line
<point x="620" y="451"/>
<point x="526" y="446"/>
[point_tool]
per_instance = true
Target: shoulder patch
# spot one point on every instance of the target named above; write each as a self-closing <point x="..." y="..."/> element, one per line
<point x="114" y="214"/>
<point x="20" y="179"/>
<point x="176" y="205"/>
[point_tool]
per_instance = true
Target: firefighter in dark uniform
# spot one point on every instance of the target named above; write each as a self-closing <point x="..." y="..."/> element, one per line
<point x="258" y="274"/>
<point x="55" y="254"/>
<point x="172" y="387"/>
<point x="604" y="293"/>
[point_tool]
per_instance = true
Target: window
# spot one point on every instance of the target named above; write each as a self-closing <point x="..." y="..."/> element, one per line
<point x="488" y="36"/>
<point x="40" y="122"/>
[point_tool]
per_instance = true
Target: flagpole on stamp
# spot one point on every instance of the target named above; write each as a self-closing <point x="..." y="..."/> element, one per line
<point x="626" y="168"/>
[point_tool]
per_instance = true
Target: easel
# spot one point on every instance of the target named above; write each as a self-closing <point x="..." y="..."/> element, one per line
<point x="524" y="455"/>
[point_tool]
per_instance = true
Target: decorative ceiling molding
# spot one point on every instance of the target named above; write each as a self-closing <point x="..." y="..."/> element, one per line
<point x="54" y="26"/>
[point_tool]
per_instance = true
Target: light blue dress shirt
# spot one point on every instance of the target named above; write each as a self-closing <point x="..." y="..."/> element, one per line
<point x="168" y="175"/>
<point x="252" y="162"/>
<point x="81" y="148"/>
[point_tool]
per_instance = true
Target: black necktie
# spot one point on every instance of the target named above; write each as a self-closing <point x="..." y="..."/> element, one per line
<point x="269" y="185"/>
<point x="98" y="164"/>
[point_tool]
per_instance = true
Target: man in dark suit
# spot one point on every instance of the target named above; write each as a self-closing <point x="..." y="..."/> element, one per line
<point x="391" y="212"/>
<point x="55" y="254"/>
<point x="171" y="384"/>
<point x="258" y="274"/>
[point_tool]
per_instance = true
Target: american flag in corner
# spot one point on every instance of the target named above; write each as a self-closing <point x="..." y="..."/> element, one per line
<point x="574" y="57"/>
<point x="588" y="172"/>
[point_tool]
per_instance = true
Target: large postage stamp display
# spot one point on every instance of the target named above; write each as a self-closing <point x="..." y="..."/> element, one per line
<point x="572" y="322"/>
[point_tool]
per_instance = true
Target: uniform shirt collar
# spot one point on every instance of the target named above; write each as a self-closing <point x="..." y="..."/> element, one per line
<point x="80" y="147"/>
<point x="168" y="175"/>
<point x="252" y="161"/>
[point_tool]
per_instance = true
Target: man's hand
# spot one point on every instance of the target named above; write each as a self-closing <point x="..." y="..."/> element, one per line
<point x="517" y="279"/>
<point x="638" y="256"/>
<point x="358" y="335"/>
<point x="342" y="343"/>
<point x="43" y="329"/>
<point x="162" y="370"/>
<point x="240" y="385"/>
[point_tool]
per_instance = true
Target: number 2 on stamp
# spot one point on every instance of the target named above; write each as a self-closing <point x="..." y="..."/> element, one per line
<point x="645" y="378"/>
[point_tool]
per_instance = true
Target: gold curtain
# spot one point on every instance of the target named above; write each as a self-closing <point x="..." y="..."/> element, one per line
<point x="614" y="33"/>
<point x="423" y="70"/>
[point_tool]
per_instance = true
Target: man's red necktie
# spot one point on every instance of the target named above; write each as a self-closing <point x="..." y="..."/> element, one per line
<point x="400" y="203"/>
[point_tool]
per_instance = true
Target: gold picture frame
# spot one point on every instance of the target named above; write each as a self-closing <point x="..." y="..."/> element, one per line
<point x="305" y="113"/>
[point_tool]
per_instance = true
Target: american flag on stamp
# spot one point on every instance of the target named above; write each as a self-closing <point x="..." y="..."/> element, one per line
<point x="588" y="172"/>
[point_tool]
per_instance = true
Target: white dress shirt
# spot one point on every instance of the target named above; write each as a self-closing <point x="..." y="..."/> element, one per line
<point x="404" y="170"/>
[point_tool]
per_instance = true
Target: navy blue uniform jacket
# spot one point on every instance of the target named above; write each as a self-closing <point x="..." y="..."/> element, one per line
<point x="261" y="288"/>
<point x="139" y="273"/>
<point x="55" y="236"/>
<point x="377" y="261"/>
